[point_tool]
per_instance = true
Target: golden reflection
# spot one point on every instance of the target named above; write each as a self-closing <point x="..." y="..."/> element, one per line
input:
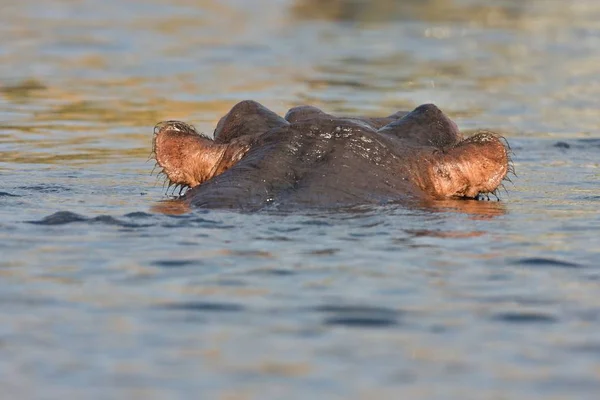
<point x="122" y="111"/>
<point x="476" y="209"/>
<point x="171" y="207"/>
<point x="87" y="156"/>
<point x="21" y="91"/>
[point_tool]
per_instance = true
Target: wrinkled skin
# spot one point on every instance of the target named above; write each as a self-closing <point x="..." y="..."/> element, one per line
<point x="310" y="158"/>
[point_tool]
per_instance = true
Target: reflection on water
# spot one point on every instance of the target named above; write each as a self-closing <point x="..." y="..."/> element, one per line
<point x="482" y="209"/>
<point x="477" y="209"/>
<point x="171" y="207"/>
<point x="110" y="289"/>
<point x="410" y="10"/>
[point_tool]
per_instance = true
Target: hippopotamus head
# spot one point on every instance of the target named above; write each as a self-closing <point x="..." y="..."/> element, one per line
<point x="311" y="158"/>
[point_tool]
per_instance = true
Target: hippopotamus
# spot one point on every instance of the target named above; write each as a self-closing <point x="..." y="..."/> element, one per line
<point x="310" y="158"/>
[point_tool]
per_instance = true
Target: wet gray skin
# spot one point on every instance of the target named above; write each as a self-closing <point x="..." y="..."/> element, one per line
<point x="314" y="159"/>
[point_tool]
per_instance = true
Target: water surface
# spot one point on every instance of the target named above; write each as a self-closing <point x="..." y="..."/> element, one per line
<point x="108" y="291"/>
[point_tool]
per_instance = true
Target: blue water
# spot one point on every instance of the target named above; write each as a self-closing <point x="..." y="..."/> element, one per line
<point x="110" y="290"/>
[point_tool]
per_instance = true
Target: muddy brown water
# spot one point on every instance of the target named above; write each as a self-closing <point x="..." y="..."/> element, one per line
<point x="108" y="290"/>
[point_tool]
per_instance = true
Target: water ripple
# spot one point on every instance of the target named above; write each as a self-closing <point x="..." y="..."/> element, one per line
<point x="546" y="262"/>
<point x="200" y="306"/>
<point x="524" y="317"/>
<point x="68" y="217"/>
<point x="358" y="316"/>
<point x="46" y="188"/>
<point x="176" y="263"/>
